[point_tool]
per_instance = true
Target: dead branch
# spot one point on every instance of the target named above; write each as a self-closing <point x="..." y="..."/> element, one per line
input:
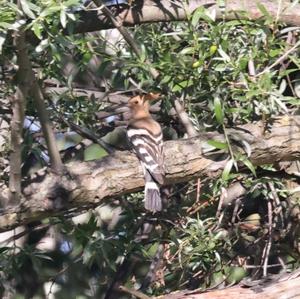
<point x="151" y="11"/>
<point x="90" y="183"/>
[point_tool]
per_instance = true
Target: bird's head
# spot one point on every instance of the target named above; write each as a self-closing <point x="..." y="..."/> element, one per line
<point x="142" y="101"/>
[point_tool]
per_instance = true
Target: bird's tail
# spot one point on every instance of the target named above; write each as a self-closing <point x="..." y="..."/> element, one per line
<point x="153" y="200"/>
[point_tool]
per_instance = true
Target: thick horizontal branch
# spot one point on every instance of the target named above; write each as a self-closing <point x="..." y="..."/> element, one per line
<point x="90" y="183"/>
<point x="175" y="10"/>
<point x="278" y="288"/>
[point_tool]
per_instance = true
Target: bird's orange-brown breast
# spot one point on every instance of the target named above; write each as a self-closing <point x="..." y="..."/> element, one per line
<point x="146" y="123"/>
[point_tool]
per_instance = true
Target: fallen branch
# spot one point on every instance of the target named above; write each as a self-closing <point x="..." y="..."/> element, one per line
<point x="90" y="183"/>
<point x="175" y="10"/>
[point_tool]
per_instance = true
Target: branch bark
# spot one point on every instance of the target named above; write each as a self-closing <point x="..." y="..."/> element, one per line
<point x="279" y="288"/>
<point x="18" y="114"/>
<point x="150" y="11"/>
<point x="55" y="159"/>
<point x="90" y="183"/>
<point x="25" y="81"/>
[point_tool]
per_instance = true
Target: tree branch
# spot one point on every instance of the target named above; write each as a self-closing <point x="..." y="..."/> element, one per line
<point x="55" y="159"/>
<point x="18" y="114"/>
<point x="90" y="183"/>
<point x="275" y="287"/>
<point x="27" y="81"/>
<point x="151" y="11"/>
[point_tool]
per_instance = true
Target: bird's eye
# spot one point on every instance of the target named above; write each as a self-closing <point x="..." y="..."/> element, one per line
<point x="136" y="102"/>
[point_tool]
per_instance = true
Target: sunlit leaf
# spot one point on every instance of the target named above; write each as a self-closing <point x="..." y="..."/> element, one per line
<point x="218" y="144"/>
<point x="26" y="9"/>
<point x="227" y="170"/>
<point x="263" y="9"/>
<point x="94" y="152"/>
<point x="37" y="29"/>
<point x="250" y="166"/>
<point x="223" y="54"/>
<point x="63" y="18"/>
<point x="218" y="109"/>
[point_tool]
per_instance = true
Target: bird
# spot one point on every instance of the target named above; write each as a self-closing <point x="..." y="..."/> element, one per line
<point x="146" y="138"/>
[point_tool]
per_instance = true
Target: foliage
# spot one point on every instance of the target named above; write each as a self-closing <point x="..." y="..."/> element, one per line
<point x="209" y="65"/>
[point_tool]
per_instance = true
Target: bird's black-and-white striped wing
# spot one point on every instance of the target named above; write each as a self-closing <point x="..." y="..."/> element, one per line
<point x="149" y="150"/>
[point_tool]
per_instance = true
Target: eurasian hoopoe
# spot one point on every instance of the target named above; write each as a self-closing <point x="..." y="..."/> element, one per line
<point x="145" y="135"/>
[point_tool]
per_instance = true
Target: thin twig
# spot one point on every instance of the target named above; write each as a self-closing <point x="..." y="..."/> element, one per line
<point x="235" y="210"/>
<point x="222" y="197"/>
<point x="280" y="59"/>
<point x="55" y="159"/>
<point x="198" y="190"/>
<point x="23" y="233"/>
<point x="81" y="131"/>
<point x="184" y="118"/>
<point x="132" y="292"/>
<point x="268" y="246"/>
<point x="278" y="206"/>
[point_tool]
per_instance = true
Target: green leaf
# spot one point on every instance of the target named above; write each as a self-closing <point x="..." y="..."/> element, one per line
<point x="275" y="52"/>
<point x="42" y="45"/>
<point x="71" y="16"/>
<point x="218" y="110"/>
<point x="63" y="18"/>
<point x="263" y="10"/>
<point x="49" y="10"/>
<point x="72" y="2"/>
<point x="201" y="13"/>
<point x="198" y="13"/>
<point x="187" y="50"/>
<point x="26" y="9"/>
<point x="166" y="79"/>
<point x="250" y="166"/>
<point x="37" y="30"/>
<point x="220" y="67"/>
<point x="94" y="152"/>
<point x="227" y="169"/>
<point x="218" y="144"/>
<point x="5" y="25"/>
<point x="181" y="85"/>
<point x="143" y="53"/>
<point x="223" y="54"/>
